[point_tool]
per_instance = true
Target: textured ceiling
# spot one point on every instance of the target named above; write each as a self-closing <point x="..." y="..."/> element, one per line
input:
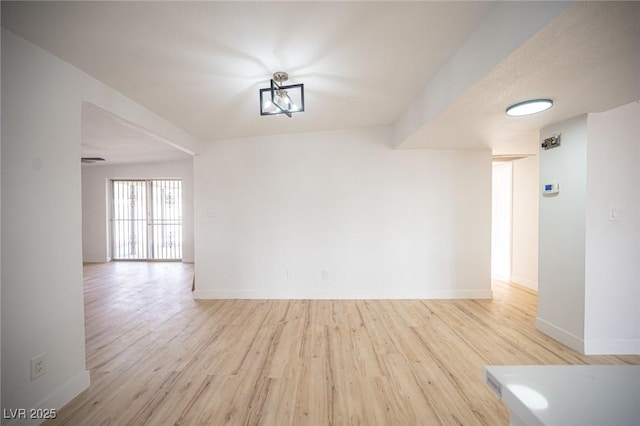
<point x="587" y="60"/>
<point x="199" y="65"/>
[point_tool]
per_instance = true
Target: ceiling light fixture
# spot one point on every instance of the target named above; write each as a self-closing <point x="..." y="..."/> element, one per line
<point x="281" y="99"/>
<point x="529" y="107"/>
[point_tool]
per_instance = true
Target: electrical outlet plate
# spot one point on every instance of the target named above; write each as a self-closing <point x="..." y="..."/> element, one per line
<point x="38" y="366"/>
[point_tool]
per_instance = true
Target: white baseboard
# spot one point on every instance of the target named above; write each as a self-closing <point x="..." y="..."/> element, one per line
<point x="533" y="285"/>
<point x="342" y="295"/>
<point x="65" y="393"/>
<point x="58" y="399"/>
<point x="612" y="347"/>
<point x="95" y="259"/>
<point x="560" y="335"/>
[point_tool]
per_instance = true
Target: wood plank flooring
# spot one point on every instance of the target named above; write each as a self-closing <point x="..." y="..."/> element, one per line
<point x="158" y="357"/>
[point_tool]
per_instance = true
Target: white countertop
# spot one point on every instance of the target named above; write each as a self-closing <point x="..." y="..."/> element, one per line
<point x="568" y="394"/>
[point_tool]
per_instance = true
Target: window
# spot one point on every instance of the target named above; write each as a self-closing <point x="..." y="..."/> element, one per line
<point x="146" y="219"/>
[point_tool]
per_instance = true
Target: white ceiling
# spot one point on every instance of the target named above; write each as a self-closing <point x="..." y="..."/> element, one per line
<point x="587" y="60"/>
<point x="107" y="136"/>
<point x="200" y="65"/>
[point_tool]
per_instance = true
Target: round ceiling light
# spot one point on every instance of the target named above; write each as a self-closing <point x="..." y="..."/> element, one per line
<point x="529" y="107"/>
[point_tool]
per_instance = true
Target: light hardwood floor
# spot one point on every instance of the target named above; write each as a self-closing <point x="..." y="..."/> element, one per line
<point x="158" y="357"/>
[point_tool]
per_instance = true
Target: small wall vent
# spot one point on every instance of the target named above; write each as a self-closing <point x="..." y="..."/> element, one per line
<point x="91" y="160"/>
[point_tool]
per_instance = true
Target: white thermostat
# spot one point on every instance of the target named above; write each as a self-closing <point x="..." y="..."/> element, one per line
<point x="550" y="188"/>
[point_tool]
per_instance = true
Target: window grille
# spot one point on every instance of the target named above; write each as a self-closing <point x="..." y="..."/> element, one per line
<point x="146" y="219"/>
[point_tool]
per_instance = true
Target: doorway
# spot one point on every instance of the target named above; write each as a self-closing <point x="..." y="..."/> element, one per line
<point x="501" y="218"/>
<point x="146" y="219"/>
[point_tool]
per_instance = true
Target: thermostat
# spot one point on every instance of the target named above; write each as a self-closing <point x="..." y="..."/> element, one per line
<point x="550" y="188"/>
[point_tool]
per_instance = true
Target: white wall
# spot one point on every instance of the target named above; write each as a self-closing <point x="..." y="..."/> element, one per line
<point x="526" y="190"/>
<point x="273" y="213"/>
<point x="95" y="204"/>
<point x="42" y="273"/>
<point x="0" y="218"/>
<point x="612" y="287"/>
<point x="562" y="234"/>
<point x="42" y="295"/>
<point x="589" y="278"/>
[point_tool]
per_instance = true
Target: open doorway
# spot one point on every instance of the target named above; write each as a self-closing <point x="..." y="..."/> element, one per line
<point x="501" y="218"/>
<point x="133" y="154"/>
<point x="514" y="236"/>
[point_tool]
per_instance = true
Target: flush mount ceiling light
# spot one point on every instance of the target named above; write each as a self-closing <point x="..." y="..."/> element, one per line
<point x="529" y="107"/>
<point x="281" y="99"/>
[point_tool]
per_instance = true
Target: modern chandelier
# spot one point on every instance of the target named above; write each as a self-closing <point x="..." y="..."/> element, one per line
<point x="280" y="98"/>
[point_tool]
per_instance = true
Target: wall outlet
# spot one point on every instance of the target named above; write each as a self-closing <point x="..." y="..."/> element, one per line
<point x="325" y="274"/>
<point x="38" y="366"/>
<point x="614" y="213"/>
